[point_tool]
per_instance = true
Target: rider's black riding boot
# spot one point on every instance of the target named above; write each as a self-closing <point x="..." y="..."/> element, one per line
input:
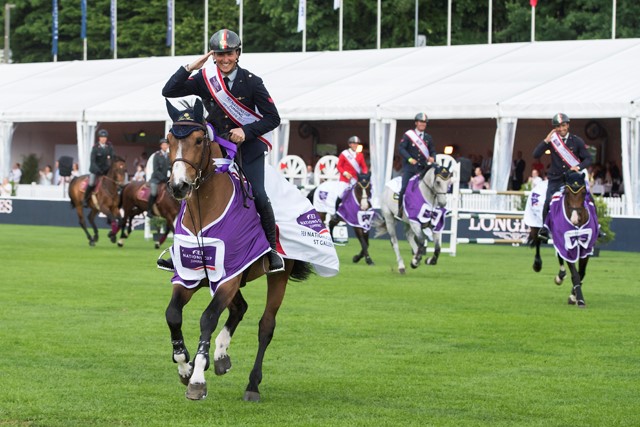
<point x="87" y="195"/>
<point x="543" y="233"/>
<point x="152" y="201"/>
<point x="338" y="201"/>
<point x="400" y="208"/>
<point x="268" y="220"/>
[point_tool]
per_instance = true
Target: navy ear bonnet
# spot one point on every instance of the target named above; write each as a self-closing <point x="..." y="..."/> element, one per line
<point x="187" y="121"/>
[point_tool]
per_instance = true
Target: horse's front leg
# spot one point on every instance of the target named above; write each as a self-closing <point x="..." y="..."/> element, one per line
<point x="114" y="220"/>
<point x="576" y="296"/>
<point x="562" y="273"/>
<point x="433" y="260"/>
<point x="277" y="284"/>
<point x="179" y="298"/>
<point x="365" y="247"/>
<point x="393" y="239"/>
<point x="83" y="224"/>
<point x="197" y="387"/>
<point x="421" y="246"/>
<point x="221" y="359"/>
<point x="92" y="221"/>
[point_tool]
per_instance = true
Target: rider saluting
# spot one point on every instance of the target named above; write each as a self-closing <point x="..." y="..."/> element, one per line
<point x="568" y="152"/>
<point x="239" y="105"/>
<point x="101" y="157"/>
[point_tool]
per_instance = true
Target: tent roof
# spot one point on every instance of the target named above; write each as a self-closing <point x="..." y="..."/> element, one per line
<point x="595" y="78"/>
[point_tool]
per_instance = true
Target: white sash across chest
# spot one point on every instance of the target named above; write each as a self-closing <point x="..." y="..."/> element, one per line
<point x="239" y="113"/>
<point x="418" y="142"/>
<point x="563" y="151"/>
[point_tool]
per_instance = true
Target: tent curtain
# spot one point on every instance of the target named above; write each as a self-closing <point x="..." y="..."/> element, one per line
<point x="381" y="148"/>
<point x="630" y="147"/>
<point x="503" y="152"/>
<point x="6" y="135"/>
<point x="85" y="132"/>
<point x="280" y="143"/>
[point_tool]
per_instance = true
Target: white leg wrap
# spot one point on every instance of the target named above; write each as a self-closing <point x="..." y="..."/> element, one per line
<point x="222" y="344"/>
<point x="199" y="364"/>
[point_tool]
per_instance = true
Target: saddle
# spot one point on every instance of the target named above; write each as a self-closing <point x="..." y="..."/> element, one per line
<point x="85" y="183"/>
<point x="143" y="193"/>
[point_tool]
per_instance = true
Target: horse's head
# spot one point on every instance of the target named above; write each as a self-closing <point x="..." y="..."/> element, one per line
<point x="190" y="149"/>
<point x="118" y="171"/>
<point x="437" y="179"/>
<point x="575" y="191"/>
<point x="363" y="190"/>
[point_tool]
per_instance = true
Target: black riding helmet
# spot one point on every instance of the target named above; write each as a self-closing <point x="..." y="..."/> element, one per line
<point x="559" y="118"/>
<point x="225" y="41"/>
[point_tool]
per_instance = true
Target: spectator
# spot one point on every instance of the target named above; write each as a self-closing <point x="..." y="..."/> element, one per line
<point x="46" y="176"/>
<point x="478" y="181"/>
<point x="57" y="179"/>
<point x="534" y="179"/>
<point x="310" y="177"/>
<point x="465" y="171"/>
<point x="517" y="171"/>
<point x="15" y="174"/>
<point x="75" y="170"/>
<point x="139" y="175"/>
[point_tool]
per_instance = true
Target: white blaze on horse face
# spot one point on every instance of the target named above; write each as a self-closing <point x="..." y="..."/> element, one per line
<point x="364" y="200"/>
<point x="575" y="218"/>
<point x="179" y="169"/>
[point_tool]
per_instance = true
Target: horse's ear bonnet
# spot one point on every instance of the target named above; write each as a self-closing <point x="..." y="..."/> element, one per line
<point x="187" y="121"/>
<point x="575" y="182"/>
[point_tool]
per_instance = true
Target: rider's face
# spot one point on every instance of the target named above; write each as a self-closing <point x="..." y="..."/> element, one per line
<point x="420" y="125"/>
<point x="226" y="61"/>
<point x="563" y="129"/>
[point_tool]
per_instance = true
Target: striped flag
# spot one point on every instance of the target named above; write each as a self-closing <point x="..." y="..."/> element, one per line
<point x="169" y="21"/>
<point x="533" y="3"/>
<point x="83" y="22"/>
<point x="302" y="15"/>
<point x="54" y="32"/>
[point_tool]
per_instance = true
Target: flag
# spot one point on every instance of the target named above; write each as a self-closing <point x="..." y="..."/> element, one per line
<point x="83" y="22"/>
<point x="336" y="4"/>
<point x="54" y="32"/>
<point x="533" y="3"/>
<point x="113" y="24"/>
<point x="302" y="15"/>
<point x="169" y="21"/>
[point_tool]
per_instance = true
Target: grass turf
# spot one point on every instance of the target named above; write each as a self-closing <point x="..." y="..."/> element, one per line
<point x="479" y="339"/>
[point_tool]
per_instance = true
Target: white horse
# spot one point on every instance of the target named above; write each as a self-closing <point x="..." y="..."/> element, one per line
<point x="429" y="215"/>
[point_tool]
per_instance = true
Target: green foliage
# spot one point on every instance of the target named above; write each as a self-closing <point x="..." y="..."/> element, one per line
<point x="270" y="25"/>
<point x="30" y="169"/>
<point x="157" y="223"/>
<point x="604" y="220"/>
<point x="473" y="341"/>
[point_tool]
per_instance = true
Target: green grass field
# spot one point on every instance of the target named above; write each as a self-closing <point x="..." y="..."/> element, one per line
<point x="479" y="339"/>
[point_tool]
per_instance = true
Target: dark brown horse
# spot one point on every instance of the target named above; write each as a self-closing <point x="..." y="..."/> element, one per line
<point x="105" y="199"/>
<point x="355" y="209"/>
<point x="574" y="229"/>
<point x="135" y="200"/>
<point x="198" y="176"/>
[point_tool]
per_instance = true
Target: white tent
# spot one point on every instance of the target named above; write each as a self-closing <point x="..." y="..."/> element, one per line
<point x="505" y="82"/>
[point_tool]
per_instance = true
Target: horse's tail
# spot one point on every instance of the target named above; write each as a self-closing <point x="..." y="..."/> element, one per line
<point x="532" y="238"/>
<point x="301" y="271"/>
<point x="380" y="225"/>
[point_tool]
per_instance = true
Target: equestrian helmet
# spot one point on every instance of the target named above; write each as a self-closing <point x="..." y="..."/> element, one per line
<point x="559" y="119"/>
<point x="162" y="141"/>
<point x="225" y="41"/>
<point x="354" y="140"/>
<point x="421" y="117"/>
<point x="103" y="132"/>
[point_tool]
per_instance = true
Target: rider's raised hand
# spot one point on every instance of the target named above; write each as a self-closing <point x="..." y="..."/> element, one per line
<point x="198" y="63"/>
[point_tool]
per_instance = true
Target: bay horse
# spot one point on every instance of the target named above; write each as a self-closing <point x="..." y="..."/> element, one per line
<point x="215" y="198"/>
<point x="355" y="209"/>
<point x="574" y="228"/>
<point x="432" y="185"/>
<point x="135" y="200"/>
<point x="105" y="199"/>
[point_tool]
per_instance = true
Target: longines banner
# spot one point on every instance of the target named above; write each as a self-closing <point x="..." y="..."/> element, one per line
<point x="60" y="213"/>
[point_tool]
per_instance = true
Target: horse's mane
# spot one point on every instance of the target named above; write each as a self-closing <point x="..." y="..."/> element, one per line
<point x="118" y="159"/>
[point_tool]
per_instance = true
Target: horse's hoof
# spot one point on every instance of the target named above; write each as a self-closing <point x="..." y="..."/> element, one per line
<point x="120" y="244"/>
<point x="184" y="380"/>
<point x="92" y="243"/>
<point x="357" y="258"/>
<point x="157" y="245"/>
<point x="415" y="265"/>
<point x="402" y="270"/>
<point x="196" y="391"/>
<point x="251" y="396"/>
<point x="369" y="261"/>
<point x="537" y="267"/>
<point x="431" y="261"/>
<point x="572" y="300"/>
<point x="222" y="365"/>
<point x="558" y="280"/>
<point x="582" y="304"/>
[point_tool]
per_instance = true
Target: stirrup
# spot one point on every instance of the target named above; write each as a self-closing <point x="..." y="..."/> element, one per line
<point x="165" y="264"/>
<point x="276" y="263"/>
